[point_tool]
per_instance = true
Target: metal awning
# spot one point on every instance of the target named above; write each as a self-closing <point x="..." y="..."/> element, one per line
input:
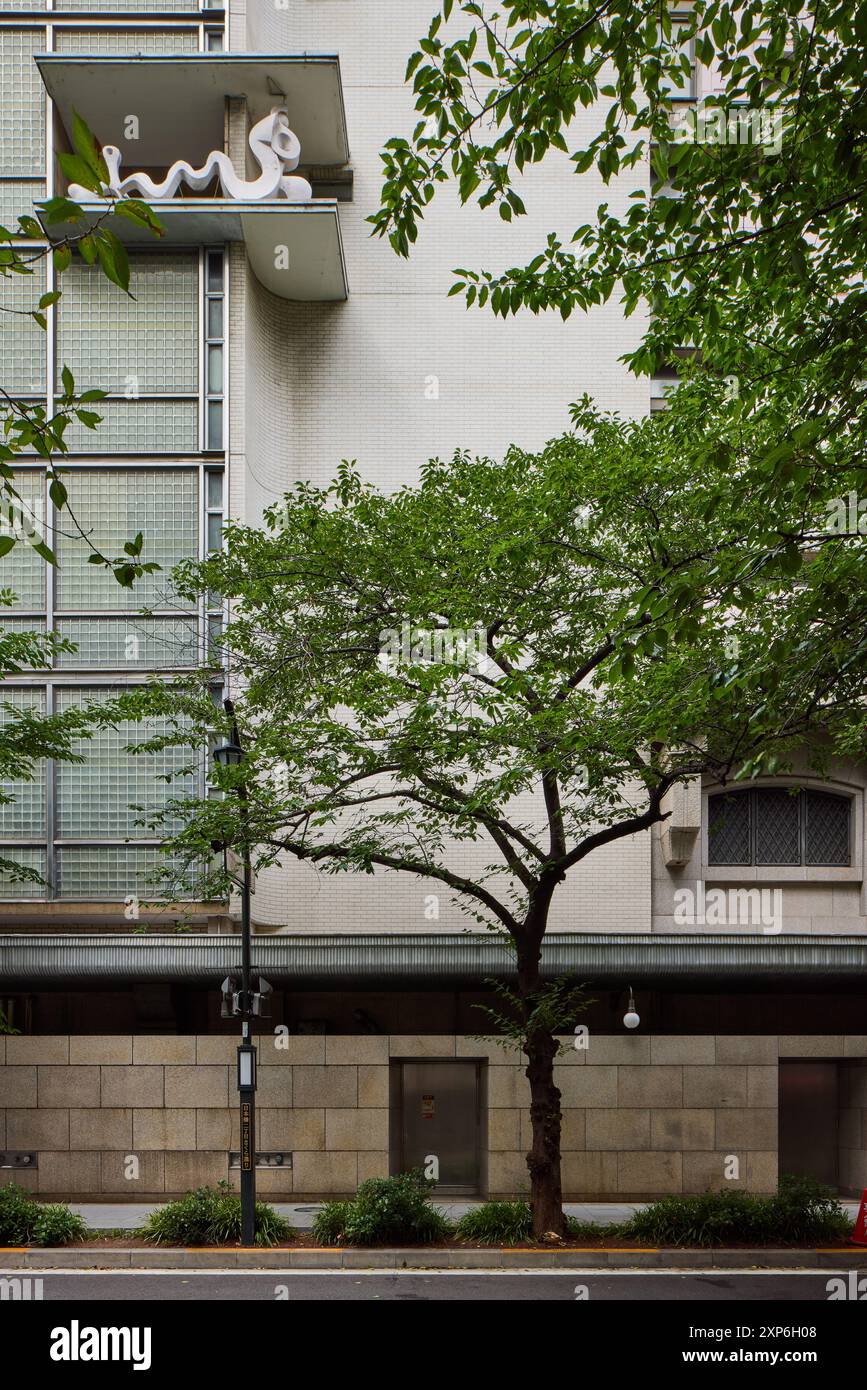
<point x="312" y="269"/>
<point x="179" y="99"/>
<point x="435" y="961"/>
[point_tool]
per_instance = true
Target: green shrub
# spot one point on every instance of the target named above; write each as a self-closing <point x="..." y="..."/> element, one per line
<point x="497" y="1223"/>
<point x="807" y="1210"/>
<point x="16" y="1215"/>
<point x="329" y="1223"/>
<point x="25" y="1221"/>
<point x="211" y="1216"/>
<point x="384" y="1211"/>
<point x="55" y="1224"/>
<point x="801" y="1211"/>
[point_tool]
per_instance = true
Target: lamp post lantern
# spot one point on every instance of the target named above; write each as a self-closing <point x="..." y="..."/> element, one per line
<point x="243" y="1004"/>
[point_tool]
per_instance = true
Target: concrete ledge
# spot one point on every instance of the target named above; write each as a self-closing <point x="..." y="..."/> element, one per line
<point x="414" y="1258"/>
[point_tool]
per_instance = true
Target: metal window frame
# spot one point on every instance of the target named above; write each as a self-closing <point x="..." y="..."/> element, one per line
<point x="753" y="811"/>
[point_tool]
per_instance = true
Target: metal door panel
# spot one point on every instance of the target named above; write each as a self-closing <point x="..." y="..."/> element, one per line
<point x="440" y="1117"/>
<point x="809" y="1120"/>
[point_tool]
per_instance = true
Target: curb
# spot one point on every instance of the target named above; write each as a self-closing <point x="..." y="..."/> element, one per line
<point x="413" y="1258"/>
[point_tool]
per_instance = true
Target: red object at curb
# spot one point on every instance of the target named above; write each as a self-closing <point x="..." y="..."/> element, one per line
<point x="859" y="1235"/>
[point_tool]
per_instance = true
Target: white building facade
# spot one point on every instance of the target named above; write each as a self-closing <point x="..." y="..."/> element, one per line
<point x="269" y="338"/>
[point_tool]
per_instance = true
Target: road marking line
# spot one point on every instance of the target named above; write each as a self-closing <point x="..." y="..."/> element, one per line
<point x="186" y="1272"/>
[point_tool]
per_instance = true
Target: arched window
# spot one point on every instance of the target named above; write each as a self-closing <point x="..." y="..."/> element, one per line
<point x="778" y="826"/>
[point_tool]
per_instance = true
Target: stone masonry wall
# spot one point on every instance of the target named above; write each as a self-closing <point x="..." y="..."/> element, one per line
<point x="643" y="1115"/>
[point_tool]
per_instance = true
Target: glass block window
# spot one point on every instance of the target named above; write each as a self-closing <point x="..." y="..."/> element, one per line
<point x="30" y="858"/>
<point x="138" y="427"/>
<point x="119" y="6"/>
<point x="133" y="643"/>
<point x="16" y="199"/>
<point x="22" y="570"/>
<point x="826" y="828"/>
<point x="132" y="347"/>
<point x="24" y="815"/>
<point x="22" y="110"/>
<point x="98" y="798"/>
<point x="35" y="624"/>
<point x="23" y="342"/>
<point x="126" y="40"/>
<point x="113" y="505"/>
<point x="108" y="871"/>
<point x="773" y="826"/>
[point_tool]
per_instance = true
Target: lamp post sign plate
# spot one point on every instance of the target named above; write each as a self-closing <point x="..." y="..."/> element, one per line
<point x="246" y="1136"/>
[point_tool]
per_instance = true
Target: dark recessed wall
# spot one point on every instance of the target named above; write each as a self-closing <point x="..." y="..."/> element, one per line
<point x="164" y="1008"/>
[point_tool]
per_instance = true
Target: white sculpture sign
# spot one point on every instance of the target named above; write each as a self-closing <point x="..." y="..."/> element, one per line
<point x="276" y="149"/>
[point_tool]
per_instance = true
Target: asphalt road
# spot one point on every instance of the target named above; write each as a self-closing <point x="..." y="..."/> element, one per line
<point x="431" y="1286"/>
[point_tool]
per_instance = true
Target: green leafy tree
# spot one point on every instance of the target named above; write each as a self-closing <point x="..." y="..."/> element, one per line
<point x="744" y="231"/>
<point x="756" y="221"/>
<point x="477" y="681"/>
<point x="743" y="234"/>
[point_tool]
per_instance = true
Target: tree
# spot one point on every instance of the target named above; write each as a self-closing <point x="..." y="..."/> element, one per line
<point x="748" y="244"/>
<point x="469" y="681"/>
<point x="759" y="218"/>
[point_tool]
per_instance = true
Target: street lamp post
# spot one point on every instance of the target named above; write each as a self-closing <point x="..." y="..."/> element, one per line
<point x="231" y="755"/>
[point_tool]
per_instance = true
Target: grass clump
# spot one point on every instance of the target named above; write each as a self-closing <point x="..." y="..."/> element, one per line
<point x="212" y="1216"/>
<point x="802" y="1210"/>
<point x="497" y="1223"/>
<point x="25" y="1221"/>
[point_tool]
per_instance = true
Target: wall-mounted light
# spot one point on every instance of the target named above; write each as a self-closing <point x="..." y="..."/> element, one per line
<point x="631" y="1018"/>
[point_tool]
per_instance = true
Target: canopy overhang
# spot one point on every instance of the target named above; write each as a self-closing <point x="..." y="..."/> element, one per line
<point x="179" y="100"/>
<point x="435" y="961"/>
<point x="295" y="249"/>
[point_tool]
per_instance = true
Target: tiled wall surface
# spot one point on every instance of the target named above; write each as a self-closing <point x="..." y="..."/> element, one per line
<point x="643" y="1116"/>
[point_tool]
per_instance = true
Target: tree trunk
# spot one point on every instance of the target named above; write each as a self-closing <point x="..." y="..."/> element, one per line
<point x="543" y="1160"/>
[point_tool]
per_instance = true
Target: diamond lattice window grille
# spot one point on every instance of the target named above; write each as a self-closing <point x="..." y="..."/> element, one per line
<point x="777" y="826"/>
<point x="729" y="828"/>
<point x="826" y="828"/>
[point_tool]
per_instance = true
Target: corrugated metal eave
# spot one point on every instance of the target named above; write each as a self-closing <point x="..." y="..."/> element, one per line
<point x="428" y="958"/>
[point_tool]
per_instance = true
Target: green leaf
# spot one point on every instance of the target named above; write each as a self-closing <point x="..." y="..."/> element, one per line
<point x="77" y="170"/>
<point x="58" y="494"/>
<point x="136" y="211"/>
<point x="44" y="550"/>
<point x="113" y="258"/>
<point x="85" y="144"/>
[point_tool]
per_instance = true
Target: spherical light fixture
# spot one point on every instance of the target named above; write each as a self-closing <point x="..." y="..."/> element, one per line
<point x="631" y="1018"/>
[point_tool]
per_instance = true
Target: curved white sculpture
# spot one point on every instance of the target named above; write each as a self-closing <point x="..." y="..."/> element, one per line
<point x="276" y="149"/>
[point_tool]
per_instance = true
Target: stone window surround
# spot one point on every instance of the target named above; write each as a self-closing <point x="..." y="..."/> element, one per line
<point x="790" y="873"/>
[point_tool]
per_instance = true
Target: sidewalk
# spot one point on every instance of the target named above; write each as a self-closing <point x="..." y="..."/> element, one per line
<point x="127" y="1216"/>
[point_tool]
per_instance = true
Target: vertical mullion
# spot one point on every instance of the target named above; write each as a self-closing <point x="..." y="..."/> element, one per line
<point x="50" y="807"/>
